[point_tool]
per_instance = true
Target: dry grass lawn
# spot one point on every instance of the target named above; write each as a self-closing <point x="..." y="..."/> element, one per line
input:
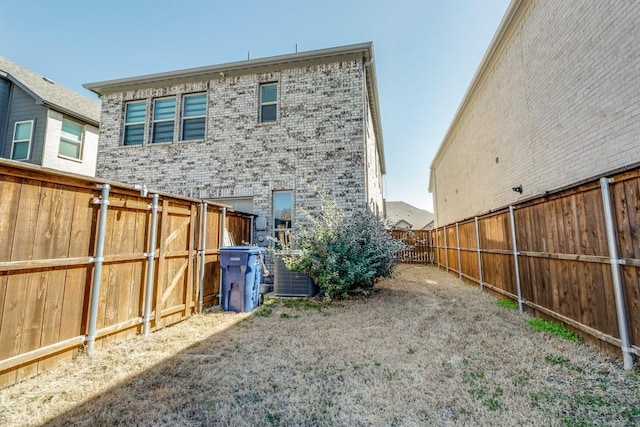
<point x="424" y="350"/>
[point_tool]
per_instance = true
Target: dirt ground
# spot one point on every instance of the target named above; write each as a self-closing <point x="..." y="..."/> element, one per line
<point x="424" y="350"/>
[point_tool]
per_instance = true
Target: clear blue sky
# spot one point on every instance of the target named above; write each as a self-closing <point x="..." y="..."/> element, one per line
<point x="426" y="51"/>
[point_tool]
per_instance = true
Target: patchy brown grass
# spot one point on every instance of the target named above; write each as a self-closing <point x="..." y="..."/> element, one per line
<point x="425" y="349"/>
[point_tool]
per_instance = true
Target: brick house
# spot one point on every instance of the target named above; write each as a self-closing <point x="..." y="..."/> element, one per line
<point x="260" y="135"/>
<point x="554" y="102"/>
<point x="45" y="123"/>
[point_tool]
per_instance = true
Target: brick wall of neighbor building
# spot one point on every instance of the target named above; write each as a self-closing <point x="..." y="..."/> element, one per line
<point x="558" y="102"/>
<point x="317" y="141"/>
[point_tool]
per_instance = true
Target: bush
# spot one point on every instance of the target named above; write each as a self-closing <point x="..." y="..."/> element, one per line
<point x="344" y="253"/>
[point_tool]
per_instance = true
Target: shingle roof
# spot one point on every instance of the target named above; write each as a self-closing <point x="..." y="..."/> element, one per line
<point x="51" y="93"/>
<point x="402" y="211"/>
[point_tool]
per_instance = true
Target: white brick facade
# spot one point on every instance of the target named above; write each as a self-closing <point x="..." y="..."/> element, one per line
<point x="324" y="137"/>
<point x="556" y="101"/>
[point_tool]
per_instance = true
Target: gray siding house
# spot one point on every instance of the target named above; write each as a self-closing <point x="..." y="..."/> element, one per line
<point x="44" y="123"/>
<point x="263" y="135"/>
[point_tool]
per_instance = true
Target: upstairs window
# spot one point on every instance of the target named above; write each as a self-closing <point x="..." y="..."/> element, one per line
<point x="268" y="102"/>
<point x="22" y="137"/>
<point x="135" y="116"/>
<point x="71" y="139"/>
<point x="164" y="115"/>
<point x="194" y="109"/>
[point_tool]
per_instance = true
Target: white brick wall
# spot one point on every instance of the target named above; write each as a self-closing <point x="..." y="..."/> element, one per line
<point x="560" y="104"/>
<point x="318" y="141"/>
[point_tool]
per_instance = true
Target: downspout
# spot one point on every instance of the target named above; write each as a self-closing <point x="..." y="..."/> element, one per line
<point x="146" y="321"/>
<point x="365" y="117"/>
<point x="251" y="231"/>
<point x="203" y="247"/>
<point x="618" y="291"/>
<point x="97" y="269"/>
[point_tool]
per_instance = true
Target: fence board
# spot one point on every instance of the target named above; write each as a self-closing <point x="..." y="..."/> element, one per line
<point x="48" y="224"/>
<point x="563" y="256"/>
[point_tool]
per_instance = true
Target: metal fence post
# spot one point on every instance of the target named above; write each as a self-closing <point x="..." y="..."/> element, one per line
<point x="203" y="248"/>
<point x="614" y="260"/>
<point x="479" y="255"/>
<point x="446" y="249"/>
<point x="459" y="260"/>
<point x="97" y="269"/>
<point x="515" y="258"/>
<point x="437" y="250"/>
<point x="150" y="265"/>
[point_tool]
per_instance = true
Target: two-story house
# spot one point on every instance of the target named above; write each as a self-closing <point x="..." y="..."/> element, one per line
<point x="262" y="135"/>
<point x="45" y="123"/>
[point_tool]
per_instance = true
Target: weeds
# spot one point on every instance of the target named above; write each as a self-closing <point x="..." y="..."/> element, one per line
<point x="265" y="312"/>
<point x="411" y="350"/>
<point x="553" y="328"/>
<point x="507" y="303"/>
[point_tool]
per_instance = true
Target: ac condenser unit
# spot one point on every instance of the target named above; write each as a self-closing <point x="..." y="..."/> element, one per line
<point x="290" y="284"/>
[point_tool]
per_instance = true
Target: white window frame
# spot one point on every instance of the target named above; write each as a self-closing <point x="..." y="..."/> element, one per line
<point x="79" y="143"/>
<point x="183" y="118"/>
<point x="143" y="123"/>
<point x="154" y="121"/>
<point x="30" y="140"/>
<point x="263" y="104"/>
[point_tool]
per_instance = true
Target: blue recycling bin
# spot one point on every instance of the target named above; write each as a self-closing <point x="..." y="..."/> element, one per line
<point x="241" y="275"/>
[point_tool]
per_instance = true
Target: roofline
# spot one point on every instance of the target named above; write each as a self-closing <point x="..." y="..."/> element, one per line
<point x="40" y="100"/>
<point x="249" y="66"/>
<point x="253" y="66"/>
<point x="507" y="26"/>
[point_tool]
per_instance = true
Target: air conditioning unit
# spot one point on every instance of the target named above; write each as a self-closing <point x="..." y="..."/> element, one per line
<point x="289" y="284"/>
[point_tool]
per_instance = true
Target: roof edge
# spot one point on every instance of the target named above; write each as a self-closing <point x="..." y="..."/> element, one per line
<point x="239" y="67"/>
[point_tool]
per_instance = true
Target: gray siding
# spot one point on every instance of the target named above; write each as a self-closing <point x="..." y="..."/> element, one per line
<point x="23" y="107"/>
<point x="5" y="91"/>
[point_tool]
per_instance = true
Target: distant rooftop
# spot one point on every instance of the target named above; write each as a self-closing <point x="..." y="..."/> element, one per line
<point x="402" y="212"/>
<point x="48" y="92"/>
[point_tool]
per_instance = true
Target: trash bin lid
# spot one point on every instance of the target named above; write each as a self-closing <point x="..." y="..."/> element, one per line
<point x="250" y="249"/>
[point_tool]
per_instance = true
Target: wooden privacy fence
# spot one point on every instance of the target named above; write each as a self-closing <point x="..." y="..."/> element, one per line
<point x="418" y="249"/>
<point x="86" y="262"/>
<point x="573" y="256"/>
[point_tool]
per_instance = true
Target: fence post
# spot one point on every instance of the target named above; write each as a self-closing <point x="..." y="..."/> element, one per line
<point x="151" y="255"/>
<point x="431" y="247"/>
<point x="458" y="244"/>
<point x="203" y="248"/>
<point x="446" y="249"/>
<point x="479" y="255"/>
<point x="614" y="260"/>
<point x="437" y="250"/>
<point x="515" y="257"/>
<point x="97" y="269"/>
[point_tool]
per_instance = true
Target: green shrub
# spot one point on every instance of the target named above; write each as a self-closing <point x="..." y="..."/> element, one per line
<point x="344" y="253"/>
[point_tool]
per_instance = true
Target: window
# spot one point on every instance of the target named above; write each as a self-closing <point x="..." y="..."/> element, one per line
<point x="71" y="139"/>
<point x="134" y="118"/>
<point x="268" y="102"/>
<point x="282" y="217"/>
<point x="194" y="109"/>
<point x="22" y="135"/>
<point x="164" y="114"/>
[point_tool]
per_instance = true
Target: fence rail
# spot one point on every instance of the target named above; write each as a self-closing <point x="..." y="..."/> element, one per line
<point x="50" y="270"/>
<point x="573" y="256"/>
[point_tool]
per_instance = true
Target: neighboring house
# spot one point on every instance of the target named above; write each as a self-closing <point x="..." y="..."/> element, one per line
<point x="261" y="135"/>
<point x="44" y="123"/>
<point x="403" y="216"/>
<point x="555" y="101"/>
